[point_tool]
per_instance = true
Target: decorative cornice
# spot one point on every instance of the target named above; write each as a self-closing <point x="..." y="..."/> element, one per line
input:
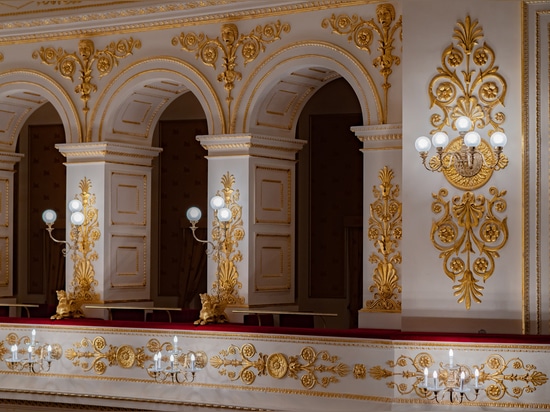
<point x="108" y="152"/>
<point x="154" y="16"/>
<point x="380" y="136"/>
<point x="259" y="146"/>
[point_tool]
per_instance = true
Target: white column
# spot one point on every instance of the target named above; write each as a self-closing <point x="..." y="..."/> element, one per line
<point x="382" y="149"/>
<point x="264" y="172"/>
<point x="120" y="187"/>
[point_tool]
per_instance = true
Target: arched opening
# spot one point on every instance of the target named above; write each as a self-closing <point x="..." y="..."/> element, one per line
<point x="330" y="205"/>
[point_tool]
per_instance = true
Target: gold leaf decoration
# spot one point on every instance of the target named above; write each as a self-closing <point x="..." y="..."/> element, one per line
<point x="250" y="45"/>
<point x="385" y="230"/>
<point x="311" y="368"/>
<point x="95" y="354"/>
<point x="469" y="236"/>
<point x="361" y="32"/>
<point x="68" y="63"/>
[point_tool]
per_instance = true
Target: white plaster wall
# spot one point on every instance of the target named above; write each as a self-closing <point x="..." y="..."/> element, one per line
<point x="428" y="300"/>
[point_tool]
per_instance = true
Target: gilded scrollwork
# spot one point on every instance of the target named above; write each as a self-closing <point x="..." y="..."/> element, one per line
<point x="206" y="49"/>
<point x="229" y="235"/>
<point x="497" y="376"/>
<point x="362" y="33"/>
<point x="68" y="63"/>
<point x="385" y="230"/>
<point x="310" y="367"/>
<point x="95" y="354"/>
<point x="469" y="235"/>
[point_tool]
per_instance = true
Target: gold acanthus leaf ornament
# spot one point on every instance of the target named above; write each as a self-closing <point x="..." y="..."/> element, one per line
<point x="385" y="231"/>
<point x="251" y="45"/>
<point x="95" y="354"/>
<point x="468" y="82"/>
<point x="68" y="63"/>
<point x="497" y="376"/>
<point x="469" y="236"/>
<point x="311" y="368"/>
<point x="361" y="32"/>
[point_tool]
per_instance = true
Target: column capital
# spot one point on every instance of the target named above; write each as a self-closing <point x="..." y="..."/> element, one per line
<point x="108" y="152"/>
<point x="9" y="159"/>
<point x="380" y="136"/>
<point x="252" y="145"/>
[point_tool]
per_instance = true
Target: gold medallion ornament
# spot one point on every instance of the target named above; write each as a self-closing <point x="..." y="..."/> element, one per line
<point x="469" y="235"/>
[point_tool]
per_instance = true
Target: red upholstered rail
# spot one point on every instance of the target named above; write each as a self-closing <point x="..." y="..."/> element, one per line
<point x="358" y="333"/>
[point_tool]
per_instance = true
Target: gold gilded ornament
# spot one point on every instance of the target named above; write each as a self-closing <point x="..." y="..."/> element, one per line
<point x="83" y="282"/>
<point x="251" y="45"/>
<point x="361" y="32"/>
<point x="385" y="230"/>
<point x="469" y="236"/>
<point x="468" y="83"/>
<point x="311" y="368"/>
<point x="68" y="63"/>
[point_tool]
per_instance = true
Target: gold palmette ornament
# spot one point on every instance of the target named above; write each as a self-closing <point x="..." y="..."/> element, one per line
<point x="227" y="232"/>
<point x="385" y="231"/>
<point x="83" y="255"/>
<point x="469" y="235"/>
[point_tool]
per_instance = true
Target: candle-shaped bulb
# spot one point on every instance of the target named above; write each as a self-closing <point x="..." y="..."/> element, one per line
<point x="172" y="362"/>
<point x="29" y="350"/>
<point x="435" y="379"/>
<point x="476" y="376"/>
<point x="462" y="377"/>
<point x="175" y="343"/>
<point x="49" y="349"/>
<point x="14" y="352"/>
<point x="159" y="360"/>
<point x="451" y="356"/>
<point x="33" y="335"/>
<point x="426" y="377"/>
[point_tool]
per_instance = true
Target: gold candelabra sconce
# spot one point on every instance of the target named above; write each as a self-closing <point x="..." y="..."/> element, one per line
<point x="32" y="356"/>
<point x="49" y="217"/>
<point x="467" y="90"/>
<point x="227" y="232"/>
<point x="454" y="380"/>
<point x="176" y="366"/>
<point x="463" y="158"/>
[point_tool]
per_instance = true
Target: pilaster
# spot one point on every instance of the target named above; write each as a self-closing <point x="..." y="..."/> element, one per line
<point x="382" y="177"/>
<point x="113" y="261"/>
<point x="264" y="174"/>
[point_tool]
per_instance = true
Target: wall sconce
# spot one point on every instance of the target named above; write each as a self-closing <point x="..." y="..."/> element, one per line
<point x="176" y="366"/>
<point x="77" y="219"/>
<point x="464" y="156"/>
<point x="37" y="358"/>
<point x="454" y="380"/>
<point x="222" y="214"/>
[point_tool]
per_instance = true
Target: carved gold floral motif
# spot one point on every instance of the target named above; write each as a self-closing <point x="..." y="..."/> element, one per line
<point x="310" y="367"/>
<point x="469" y="236"/>
<point x="385" y="230"/>
<point x="251" y="45"/>
<point x="96" y="355"/>
<point x="227" y="282"/>
<point x="497" y="376"/>
<point x="68" y="63"/>
<point x="362" y="33"/>
<point x="468" y="84"/>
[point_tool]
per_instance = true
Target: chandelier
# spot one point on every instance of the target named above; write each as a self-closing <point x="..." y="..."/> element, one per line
<point x="467" y="155"/>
